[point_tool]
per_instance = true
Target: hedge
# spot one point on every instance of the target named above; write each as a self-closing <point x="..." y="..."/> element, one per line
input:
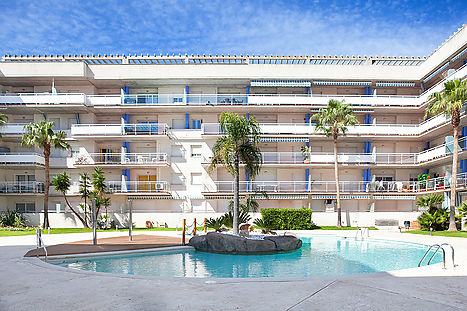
<point x="288" y="218"/>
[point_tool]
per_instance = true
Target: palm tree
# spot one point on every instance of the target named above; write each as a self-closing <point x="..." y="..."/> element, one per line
<point x="430" y="202"/>
<point x="85" y="191"/>
<point x="100" y="187"/>
<point x="62" y="183"/>
<point x="41" y="135"/>
<point x="239" y="143"/>
<point x="334" y="120"/>
<point x="3" y="121"/>
<point x="450" y="103"/>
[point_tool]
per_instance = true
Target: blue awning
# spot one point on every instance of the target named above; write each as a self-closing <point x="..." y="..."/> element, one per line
<point x="280" y="83"/>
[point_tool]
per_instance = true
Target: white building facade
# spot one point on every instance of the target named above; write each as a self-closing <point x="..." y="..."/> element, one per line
<point x="150" y="122"/>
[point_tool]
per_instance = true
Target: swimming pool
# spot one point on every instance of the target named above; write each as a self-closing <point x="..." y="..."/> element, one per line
<point x="319" y="256"/>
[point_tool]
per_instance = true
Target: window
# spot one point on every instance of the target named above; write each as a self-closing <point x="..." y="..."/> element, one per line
<point x="178" y="99"/>
<point x="25" y="207"/>
<point x="196" y="150"/>
<point x="177" y="179"/>
<point x="196" y="179"/>
<point x="25" y="178"/>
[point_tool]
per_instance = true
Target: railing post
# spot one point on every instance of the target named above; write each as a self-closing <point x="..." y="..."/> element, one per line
<point x="205" y="226"/>
<point x="38" y="238"/>
<point x="130" y="226"/>
<point x="94" y="222"/>
<point x="194" y="226"/>
<point x="183" y="231"/>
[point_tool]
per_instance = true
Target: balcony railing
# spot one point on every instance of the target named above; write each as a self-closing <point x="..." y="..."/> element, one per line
<point x="42" y="99"/>
<point x="137" y="187"/>
<point x="22" y="187"/>
<point x="435" y="184"/>
<point x="119" y="129"/>
<point x="15" y="158"/>
<point x="122" y="159"/>
<point x="362" y="129"/>
<point x="12" y="128"/>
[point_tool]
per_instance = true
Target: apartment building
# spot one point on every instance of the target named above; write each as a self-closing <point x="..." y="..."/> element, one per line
<point x="150" y="121"/>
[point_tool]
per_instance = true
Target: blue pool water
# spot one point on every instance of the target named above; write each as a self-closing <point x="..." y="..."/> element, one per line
<point x="319" y="256"/>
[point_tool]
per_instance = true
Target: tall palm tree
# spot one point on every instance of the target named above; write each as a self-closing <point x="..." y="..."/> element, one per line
<point x="100" y="188"/>
<point x="333" y="121"/>
<point x="239" y="143"/>
<point x="450" y="102"/>
<point x="41" y="135"/>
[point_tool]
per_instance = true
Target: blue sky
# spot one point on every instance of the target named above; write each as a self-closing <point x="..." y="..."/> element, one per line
<point x="389" y="28"/>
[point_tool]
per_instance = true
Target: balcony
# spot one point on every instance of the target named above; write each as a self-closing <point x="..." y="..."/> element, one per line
<point x="119" y="129"/>
<point x="12" y="129"/>
<point x="21" y="159"/>
<point x="304" y="129"/>
<point x="26" y="187"/>
<point x="42" y="99"/>
<point x="312" y="187"/>
<point x="139" y="187"/>
<point x="122" y="159"/>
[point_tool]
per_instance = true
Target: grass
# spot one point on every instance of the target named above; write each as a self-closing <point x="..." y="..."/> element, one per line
<point x="456" y="234"/>
<point x="6" y="232"/>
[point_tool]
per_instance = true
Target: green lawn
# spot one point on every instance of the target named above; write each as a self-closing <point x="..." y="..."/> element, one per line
<point x="5" y="232"/>
<point x="457" y="234"/>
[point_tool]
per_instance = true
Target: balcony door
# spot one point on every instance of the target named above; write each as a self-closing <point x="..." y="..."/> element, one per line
<point x="147" y="183"/>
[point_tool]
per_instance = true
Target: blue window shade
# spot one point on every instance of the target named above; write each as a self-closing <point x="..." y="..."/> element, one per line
<point x="196" y="124"/>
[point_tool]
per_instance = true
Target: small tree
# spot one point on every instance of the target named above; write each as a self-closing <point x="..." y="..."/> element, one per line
<point x="86" y="192"/>
<point x="239" y="143"/>
<point x="333" y="121"/>
<point x="41" y="135"/>
<point x="100" y="187"/>
<point x="450" y="103"/>
<point x="62" y="183"/>
<point x="3" y="121"/>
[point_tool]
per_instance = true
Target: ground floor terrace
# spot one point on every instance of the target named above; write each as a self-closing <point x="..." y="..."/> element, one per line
<point x="31" y="284"/>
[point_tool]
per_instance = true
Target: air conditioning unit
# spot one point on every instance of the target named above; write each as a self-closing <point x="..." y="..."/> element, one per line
<point x="159" y="186"/>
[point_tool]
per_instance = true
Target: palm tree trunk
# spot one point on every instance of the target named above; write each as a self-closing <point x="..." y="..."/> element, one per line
<point x="452" y="209"/>
<point x="47" y="185"/>
<point x="74" y="212"/>
<point x="336" y="176"/>
<point x="86" y="212"/>
<point x="236" y="196"/>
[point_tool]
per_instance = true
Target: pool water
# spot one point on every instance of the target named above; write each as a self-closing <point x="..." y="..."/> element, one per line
<point x="319" y="256"/>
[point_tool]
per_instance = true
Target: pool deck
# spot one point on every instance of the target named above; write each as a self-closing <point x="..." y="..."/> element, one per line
<point x="112" y="244"/>
<point x="31" y="284"/>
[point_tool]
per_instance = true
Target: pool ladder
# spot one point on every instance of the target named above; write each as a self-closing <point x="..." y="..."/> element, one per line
<point x="438" y="247"/>
<point x="362" y="231"/>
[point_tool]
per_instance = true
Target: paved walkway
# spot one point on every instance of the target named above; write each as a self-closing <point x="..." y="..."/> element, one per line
<point x="30" y="284"/>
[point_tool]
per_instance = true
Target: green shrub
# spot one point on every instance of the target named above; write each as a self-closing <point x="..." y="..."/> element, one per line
<point x="12" y="219"/>
<point x="438" y="220"/>
<point x="287" y="218"/>
<point x="215" y="223"/>
<point x="242" y="218"/>
<point x="264" y="225"/>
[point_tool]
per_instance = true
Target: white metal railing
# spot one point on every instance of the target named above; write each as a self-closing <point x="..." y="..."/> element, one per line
<point x="21" y="158"/>
<point x="43" y="98"/>
<point x="12" y="128"/>
<point x="137" y="186"/>
<point x="121" y="158"/>
<point x="119" y="129"/>
<point x="362" y="129"/>
<point x="435" y="184"/>
<point x="22" y="187"/>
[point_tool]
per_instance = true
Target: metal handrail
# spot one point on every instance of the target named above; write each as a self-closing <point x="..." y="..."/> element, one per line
<point x="438" y="247"/>
<point x="40" y="242"/>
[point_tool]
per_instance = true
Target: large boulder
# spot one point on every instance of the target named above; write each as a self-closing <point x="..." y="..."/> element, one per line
<point x="232" y="244"/>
